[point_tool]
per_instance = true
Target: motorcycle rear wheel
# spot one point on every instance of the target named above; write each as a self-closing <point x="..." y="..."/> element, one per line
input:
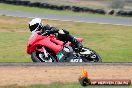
<point x="97" y="57"/>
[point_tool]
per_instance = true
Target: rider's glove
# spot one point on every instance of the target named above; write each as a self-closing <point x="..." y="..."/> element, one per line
<point x="48" y="32"/>
<point x="45" y="33"/>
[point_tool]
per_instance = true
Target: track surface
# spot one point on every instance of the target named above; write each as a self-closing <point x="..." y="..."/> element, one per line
<point x="67" y="64"/>
<point x="45" y="73"/>
<point x="89" y="19"/>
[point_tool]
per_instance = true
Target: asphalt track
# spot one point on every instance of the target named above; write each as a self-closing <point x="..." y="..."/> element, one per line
<point x="67" y="64"/>
<point x="88" y="19"/>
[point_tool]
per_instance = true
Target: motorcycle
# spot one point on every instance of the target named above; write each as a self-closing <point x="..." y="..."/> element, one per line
<point x="49" y="48"/>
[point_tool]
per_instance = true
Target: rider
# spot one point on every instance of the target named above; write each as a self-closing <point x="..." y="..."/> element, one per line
<point x="35" y="25"/>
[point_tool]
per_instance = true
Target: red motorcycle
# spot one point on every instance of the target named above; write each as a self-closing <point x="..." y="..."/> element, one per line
<point x="49" y="48"/>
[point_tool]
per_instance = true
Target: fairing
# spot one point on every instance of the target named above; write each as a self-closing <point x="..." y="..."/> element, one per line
<point x="50" y="42"/>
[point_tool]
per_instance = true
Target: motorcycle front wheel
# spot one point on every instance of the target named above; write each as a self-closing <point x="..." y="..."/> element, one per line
<point x="39" y="57"/>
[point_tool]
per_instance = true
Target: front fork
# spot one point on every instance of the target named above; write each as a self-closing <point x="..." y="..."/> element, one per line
<point x="48" y="55"/>
<point x="45" y="53"/>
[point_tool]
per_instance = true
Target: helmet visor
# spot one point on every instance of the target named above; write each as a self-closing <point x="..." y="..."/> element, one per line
<point x="33" y="27"/>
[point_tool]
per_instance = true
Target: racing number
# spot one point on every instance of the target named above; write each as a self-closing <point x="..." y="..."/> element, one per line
<point x="76" y="60"/>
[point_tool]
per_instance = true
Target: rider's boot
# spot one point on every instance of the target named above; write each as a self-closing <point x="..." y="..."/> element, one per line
<point x="78" y="45"/>
<point x="67" y="37"/>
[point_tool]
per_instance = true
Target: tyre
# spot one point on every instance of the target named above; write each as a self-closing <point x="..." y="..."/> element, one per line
<point x="39" y="57"/>
<point x="84" y="81"/>
<point x="93" y="57"/>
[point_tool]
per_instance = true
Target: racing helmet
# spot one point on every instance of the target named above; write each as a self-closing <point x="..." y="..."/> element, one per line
<point x="35" y="24"/>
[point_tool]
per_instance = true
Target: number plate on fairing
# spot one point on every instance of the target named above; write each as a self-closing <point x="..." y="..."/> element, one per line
<point x="76" y="60"/>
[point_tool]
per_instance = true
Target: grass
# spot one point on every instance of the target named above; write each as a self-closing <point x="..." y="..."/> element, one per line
<point x="13" y="46"/>
<point x="63" y="85"/>
<point x="112" y="42"/>
<point x="49" y="11"/>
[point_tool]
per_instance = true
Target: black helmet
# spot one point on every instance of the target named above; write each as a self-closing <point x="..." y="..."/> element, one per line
<point x="35" y="24"/>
